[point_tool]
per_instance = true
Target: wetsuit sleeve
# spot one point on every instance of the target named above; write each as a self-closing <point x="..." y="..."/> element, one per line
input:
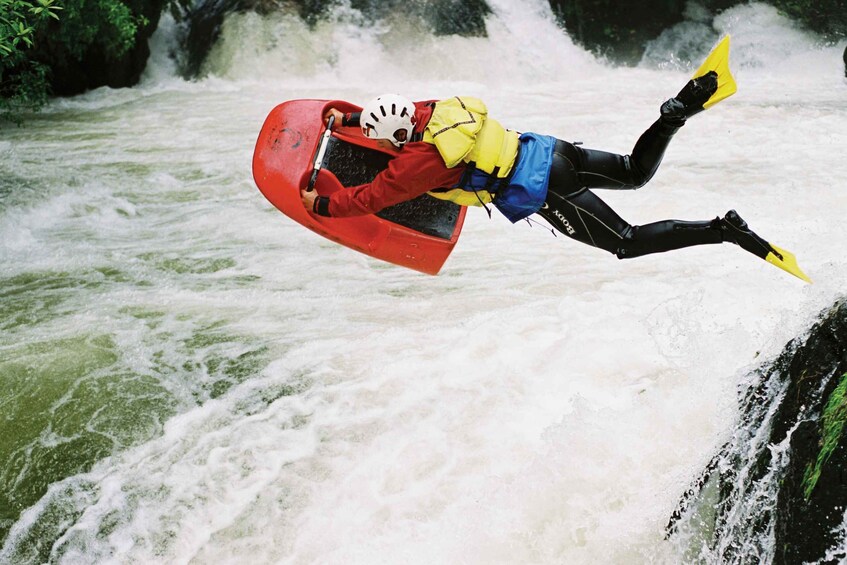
<point x="321" y="206"/>
<point x="417" y="170"/>
<point x="351" y="119"/>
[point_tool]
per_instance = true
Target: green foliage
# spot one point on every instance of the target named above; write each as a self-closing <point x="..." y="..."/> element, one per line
<point x="25" y="90"/>
<point x="110" y="25"/>
<point x="18" y="22"/>
<point x="40" y="37"/>
<point x="24" y="81"/>
<point x="833" y="419"/>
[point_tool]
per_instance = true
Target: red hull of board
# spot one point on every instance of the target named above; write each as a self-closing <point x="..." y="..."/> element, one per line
<point x="283" y="163"/>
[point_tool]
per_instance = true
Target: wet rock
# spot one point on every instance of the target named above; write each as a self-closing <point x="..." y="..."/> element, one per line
<point x="621" y="30"/>
<point x="201" y="27"/>
<point x="781" y="481"/>
<point x="201" y="22"/>
<point x="97" y="65"/>
<point x="443" y="17"/>
<point x="617" y="30"/>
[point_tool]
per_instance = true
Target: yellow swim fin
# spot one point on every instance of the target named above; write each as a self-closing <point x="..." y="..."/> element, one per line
<point x="736" y="230"/>
<point x="787" y="263"/>
<point x="718" y="61"/>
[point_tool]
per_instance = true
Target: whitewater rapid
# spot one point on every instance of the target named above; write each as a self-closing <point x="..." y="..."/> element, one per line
<point x="190" y="377"/>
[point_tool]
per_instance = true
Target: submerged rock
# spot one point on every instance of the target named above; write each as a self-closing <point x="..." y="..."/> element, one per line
<point x="777" y="491"/>
<point x="202" y="19"/>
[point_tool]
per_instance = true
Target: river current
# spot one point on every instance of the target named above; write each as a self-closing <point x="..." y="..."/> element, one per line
<point x="187" y="376"/>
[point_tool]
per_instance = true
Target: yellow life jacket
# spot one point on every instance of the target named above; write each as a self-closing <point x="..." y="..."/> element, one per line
<point x="464" y="134"/>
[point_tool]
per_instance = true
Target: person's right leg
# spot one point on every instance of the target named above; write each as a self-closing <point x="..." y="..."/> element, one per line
<point x="586" y="218"/>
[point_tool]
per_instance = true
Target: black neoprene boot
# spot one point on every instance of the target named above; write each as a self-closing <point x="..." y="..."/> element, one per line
<point x="690" y="99"/>
<point x="736" y="230"/>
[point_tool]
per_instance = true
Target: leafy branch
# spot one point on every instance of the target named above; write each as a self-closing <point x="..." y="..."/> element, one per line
<point x="19" y="20"/>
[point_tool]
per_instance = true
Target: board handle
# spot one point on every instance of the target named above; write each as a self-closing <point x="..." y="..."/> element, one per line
<point x="319" y="154"/>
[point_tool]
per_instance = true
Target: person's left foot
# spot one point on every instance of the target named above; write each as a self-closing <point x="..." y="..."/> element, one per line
<point x="690" y="99"/>
<point x="736" y="230"/>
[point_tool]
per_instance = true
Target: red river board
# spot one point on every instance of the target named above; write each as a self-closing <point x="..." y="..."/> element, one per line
<point x="418" y="234"/>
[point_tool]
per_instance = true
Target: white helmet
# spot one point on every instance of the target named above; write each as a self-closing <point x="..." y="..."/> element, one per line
<point x="390" y="117"/>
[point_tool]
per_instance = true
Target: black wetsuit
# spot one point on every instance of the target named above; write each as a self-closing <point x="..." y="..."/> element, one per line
<point x="573" y="209"/>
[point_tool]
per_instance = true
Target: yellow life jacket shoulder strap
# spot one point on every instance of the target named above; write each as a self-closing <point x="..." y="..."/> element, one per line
<point x="453" y="127"/>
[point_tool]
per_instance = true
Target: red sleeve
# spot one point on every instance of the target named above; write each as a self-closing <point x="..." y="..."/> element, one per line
<point x="416" y="170"/>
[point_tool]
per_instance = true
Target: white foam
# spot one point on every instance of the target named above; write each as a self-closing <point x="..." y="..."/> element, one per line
<point x="538" y="402"/>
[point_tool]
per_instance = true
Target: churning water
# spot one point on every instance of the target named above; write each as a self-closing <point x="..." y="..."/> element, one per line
<point x="188" y="376"/>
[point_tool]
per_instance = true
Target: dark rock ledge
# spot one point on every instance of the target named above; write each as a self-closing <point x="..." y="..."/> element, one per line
<point x="777" y="491"/>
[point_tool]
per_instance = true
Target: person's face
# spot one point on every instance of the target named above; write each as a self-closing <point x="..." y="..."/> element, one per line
<point x="387" y="145"/>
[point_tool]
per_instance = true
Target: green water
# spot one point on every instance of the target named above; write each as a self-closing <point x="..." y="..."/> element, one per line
<point x="68" y="402"/>
<point x="117" y="288"/>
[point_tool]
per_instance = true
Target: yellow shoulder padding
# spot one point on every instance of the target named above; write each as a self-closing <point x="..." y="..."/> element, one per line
<point x="454" y="125"/>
